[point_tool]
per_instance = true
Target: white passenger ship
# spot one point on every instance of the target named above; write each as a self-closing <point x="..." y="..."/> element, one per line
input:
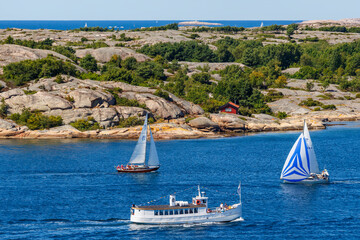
<point x="180" y="212"/>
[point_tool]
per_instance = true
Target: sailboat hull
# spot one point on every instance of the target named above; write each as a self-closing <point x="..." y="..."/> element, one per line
<point x="138" y="170"/>
<point x="311" y="180"/>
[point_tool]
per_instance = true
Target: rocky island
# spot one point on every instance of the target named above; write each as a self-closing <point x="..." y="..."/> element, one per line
<point x="100" y="83"/>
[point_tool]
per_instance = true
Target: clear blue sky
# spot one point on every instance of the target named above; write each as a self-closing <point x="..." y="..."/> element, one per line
<point x="178" y="10"/>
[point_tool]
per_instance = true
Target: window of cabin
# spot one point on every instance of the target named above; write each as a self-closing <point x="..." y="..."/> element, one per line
<point x="228" y="109"/>
<point x="181" y="211"/>
<point x="204" y="201"/>
<point x="171" y="212"/>
<point x="195" y="210"/>
<point x="191" y="210"/>
<point x="166" y="212"/>
<point x="186" y="211"/>
<point x="156" y="212"/>
<point x="176" y="212"/>
<point x="161" y="212"/>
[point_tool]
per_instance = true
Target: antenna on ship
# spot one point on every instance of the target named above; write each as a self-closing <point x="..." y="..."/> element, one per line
<point x="199" y="191"/>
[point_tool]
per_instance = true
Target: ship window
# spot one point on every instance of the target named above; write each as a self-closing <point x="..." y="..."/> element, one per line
<point x="161" y="212"/>
<point x="191" y="210"/>
<point x="195" y="210"/>
<point x="156" y="212"/>
<point x="181" y="211"/>
<point x="204" y="201"/>
<point x="133" y="211"/>
<point x="171" y="212"/>
<point x="176" y="212"/>
<point x="186" y="211"/>
<point x="166" y="212"/>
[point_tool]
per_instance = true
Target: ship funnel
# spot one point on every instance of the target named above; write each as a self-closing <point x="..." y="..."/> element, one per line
<point x="172" y="200"/>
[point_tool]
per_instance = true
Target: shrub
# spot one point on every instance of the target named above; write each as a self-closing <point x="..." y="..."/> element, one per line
<point x="357" y="95"/>
<point x="273" y="95"/>
<point x="281" y="115"/>
<point x="117" y="74"/>
<point x="86" y="125"/>
<point x="89" y="63"/>
<point x="59" y="79"/>
<point x="202" y="77"/>
<point x="3" y="108"/>
<point x="330" y="107"/>
<point x="36" y="120"/>
<point x="29" y="92"/>
<point x="310" y="103"/>
<point x="162" y="94"/>
<point x="130" y="121"/>
<point x="21" y="72"/>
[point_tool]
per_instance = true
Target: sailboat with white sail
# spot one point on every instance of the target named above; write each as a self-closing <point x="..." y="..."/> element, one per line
<point x="301" y="165"/>
<point x="138" y="162"/>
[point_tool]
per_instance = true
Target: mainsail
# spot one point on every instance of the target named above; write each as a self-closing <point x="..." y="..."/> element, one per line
<point x="139" y="154"/>
<point x="153" y="156"/>
<point x="297" y="166"/>
<point x="314" y="167"/>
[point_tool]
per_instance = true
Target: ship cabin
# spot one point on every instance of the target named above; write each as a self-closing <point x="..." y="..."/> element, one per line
<point x="199" y="205"/>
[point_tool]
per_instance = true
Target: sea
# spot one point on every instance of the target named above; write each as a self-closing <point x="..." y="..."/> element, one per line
<point x="69" y="189"/>
<point x="126" y="25"/>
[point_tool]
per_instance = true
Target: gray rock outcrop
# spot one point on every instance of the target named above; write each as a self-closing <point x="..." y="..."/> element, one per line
<point x="203" y="123"/>
<point x="228" y="122"/>
<point x="87" y="98"/>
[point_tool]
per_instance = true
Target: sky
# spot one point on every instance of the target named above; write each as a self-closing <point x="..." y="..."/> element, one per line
<point x="178" y="10"/>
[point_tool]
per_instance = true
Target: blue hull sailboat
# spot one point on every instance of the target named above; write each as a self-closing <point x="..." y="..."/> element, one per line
<point x="301" y="165"/>
<point x="138" y="162"/>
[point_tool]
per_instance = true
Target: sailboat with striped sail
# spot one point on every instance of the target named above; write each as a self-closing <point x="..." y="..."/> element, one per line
<point x="301" y="165"/>
<point x="138" y="162"/>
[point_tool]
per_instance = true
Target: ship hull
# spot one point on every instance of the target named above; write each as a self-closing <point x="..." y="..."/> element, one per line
<point x="138" y="170"/>
<point x="226" y="216"/>
<point x="310" y="181"/>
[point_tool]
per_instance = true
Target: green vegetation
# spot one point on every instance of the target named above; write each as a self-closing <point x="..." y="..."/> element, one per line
<point x="172" y="26"/>
<point x="273" y="96"/>
<point x="36" y="120"/>
<point x="225" y="29"/>
<point x="162" y="94"/>
<point x="281" y="115"/>
<point x="86" y="124"/>
<point x="3" y="109"/>
<point x="183" y="51"/>
<point x="312" y="103"/>
<point x="335" y="29"/>
<point x="130" y="122"/>
<point x="30" y="92"/>
<point x="21" y="72"/>
<point x="89" y="63"/>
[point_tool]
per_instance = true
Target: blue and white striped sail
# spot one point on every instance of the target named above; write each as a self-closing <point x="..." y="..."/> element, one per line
<point x="297" y="165"/>
<point x="314" y="167"/>
<point x="139" y="154"/>
<point x="153" y="156"/>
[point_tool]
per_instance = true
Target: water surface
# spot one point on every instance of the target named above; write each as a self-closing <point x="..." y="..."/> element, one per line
<point x="68" y="189"/>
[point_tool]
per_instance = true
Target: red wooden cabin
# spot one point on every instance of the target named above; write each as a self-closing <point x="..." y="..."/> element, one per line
<point x="229" y="107"/>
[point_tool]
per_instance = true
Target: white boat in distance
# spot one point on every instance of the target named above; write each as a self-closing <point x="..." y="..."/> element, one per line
<point x="181" y="212"/>
<point x="138" y="163"/>
<point x="301" y="165"/>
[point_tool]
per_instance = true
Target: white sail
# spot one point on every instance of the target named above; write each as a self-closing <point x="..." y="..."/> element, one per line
<point x="297" y="166"/>
<point x="153" y="156"/>
<point x="139" y="154"/>
<point x="314" y="167"/>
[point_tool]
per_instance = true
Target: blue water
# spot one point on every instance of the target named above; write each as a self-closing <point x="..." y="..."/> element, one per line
<point x="125" y="25"/>
<point x="68" y="189"/>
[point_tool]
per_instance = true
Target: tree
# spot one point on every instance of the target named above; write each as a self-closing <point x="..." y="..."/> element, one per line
<point x="290" y="30"/>
<point x="280" y="82"/>
<point x="89" y="63"/>
<point x="202" y="77"/>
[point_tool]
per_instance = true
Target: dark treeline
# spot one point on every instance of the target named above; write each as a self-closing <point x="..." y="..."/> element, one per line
<point x="335" y="29"/>
<point x="171" y="26"/>
<point x="225" y="29"/>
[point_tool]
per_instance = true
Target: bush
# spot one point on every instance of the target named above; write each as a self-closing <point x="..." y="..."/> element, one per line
<point x="281" y="115"/>
<point x="130" y="122"/>
<point x="171" y="26"/>
<point x="162" y="94"/>
<point x="21" y="72"/>
<point x="117" y="74"/>
<point x="89" y="63"/>
<point x="330" y="107"/>
<point x="310" y="103"/>
<point x="202" y="77"/>
<point x="86" y="125"/>
<point x="3" y="109"/>
<point x="36" y="120"/>
<point x="357" y="95"/>
<point x="29" y="92"/>
<point x="273" y="95"/>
